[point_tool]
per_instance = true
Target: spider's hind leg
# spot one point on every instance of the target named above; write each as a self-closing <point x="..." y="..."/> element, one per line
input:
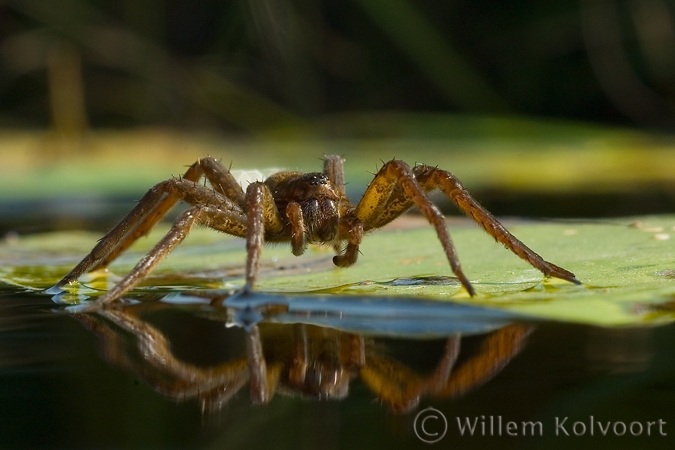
<point x="207" y="215"/>
<point x="221" y="180"/>
<point x="173" y="237"/>
<point x="219" y="212"/>
<point x="155" y="204"/>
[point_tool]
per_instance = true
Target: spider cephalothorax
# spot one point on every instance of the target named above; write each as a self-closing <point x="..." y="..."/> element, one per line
<point x="309" y="206"/>
<point x="300" y="208"/>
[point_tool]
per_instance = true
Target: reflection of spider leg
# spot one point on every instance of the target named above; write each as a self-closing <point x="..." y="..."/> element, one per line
<point x="401" y="388"/>
<point x="396" y="184"/>
<point x="264" y="377"/>
<point x="214" y="386"/>
<point x="496" y="350"/>
<point x="298" y="367"/>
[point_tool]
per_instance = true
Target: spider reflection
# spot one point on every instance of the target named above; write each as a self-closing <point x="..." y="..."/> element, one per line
<point x="296" y="360"/>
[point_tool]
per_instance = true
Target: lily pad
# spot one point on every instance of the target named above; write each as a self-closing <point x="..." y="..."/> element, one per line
<point x="627" y="267"/>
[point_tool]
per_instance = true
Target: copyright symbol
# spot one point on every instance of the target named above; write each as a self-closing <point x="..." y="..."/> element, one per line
<point x="430" y="425"/>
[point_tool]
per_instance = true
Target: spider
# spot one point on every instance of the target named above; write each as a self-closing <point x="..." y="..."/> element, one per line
<point x="296" y="207"/>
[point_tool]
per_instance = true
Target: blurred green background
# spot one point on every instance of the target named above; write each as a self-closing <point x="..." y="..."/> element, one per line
<point x="557" y="109"/>
<point x="252" y="65"/>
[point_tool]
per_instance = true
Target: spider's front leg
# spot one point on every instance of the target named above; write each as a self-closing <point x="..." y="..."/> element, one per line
<point x="432" y="178"/>
<point x="397" y="187"/>
<point x="395" y="184"/>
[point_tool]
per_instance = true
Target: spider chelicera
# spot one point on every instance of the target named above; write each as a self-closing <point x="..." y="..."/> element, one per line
<point x="296" y="207"/>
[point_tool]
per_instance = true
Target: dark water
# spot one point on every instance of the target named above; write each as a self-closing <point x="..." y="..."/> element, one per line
<point x="172" y="375"/>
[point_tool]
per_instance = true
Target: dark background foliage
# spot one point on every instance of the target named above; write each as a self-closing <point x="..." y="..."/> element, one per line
<point x="254" y="64"/>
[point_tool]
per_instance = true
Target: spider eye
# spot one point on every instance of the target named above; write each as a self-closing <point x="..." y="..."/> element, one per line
<point x="315" y="179"/>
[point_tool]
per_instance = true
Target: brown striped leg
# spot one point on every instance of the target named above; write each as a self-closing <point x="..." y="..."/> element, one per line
<point x="391" y="176"/>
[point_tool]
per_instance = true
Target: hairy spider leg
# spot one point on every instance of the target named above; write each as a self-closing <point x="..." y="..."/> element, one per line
<point x="181" y="227"/>
<point x="380" y="193"/>
<point x="399" y="386"/>
<point x="351" y="228"/>
<point x="213" y="217"/>
<point x="294" y="216"/>
<point x="262" y="217"/>
<point x="431" y="179"/>
<point x="333" y="168"/>
<point x="222" y="181"/>
<point x="155" y="204"/>
<point x="213" y="210"/>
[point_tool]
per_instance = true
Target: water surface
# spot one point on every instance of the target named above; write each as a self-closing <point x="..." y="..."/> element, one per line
<point x="73" y="379"/>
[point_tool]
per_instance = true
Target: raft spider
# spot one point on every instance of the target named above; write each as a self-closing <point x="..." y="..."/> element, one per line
<point x="296" y="207"/>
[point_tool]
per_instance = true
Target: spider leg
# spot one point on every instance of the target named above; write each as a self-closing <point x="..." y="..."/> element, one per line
<point x="432" y="178"/>
<point x="210" y="216"/>
<point x="229" y="217"/>
<point x="151" y="208"/>
<point x="222" y="181"/>
<point x="173" y="237"/>
<point x="384" y="190"/>
<point x="333" y="168"/>
<point x="351" y="227"/>
<point x="294" y="215"/>
<point x="262" y="217"/>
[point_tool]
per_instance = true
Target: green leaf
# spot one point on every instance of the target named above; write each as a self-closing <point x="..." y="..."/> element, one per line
<point x="626" y="267"/>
